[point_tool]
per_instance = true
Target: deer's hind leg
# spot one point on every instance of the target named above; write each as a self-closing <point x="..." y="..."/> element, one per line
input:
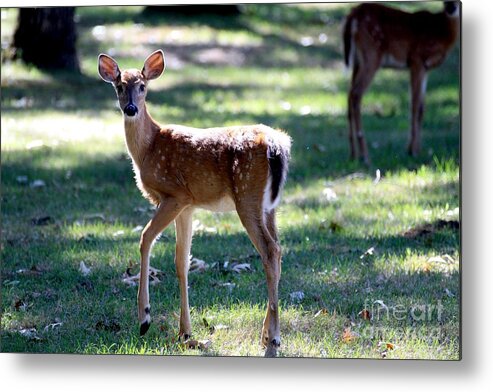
<point x="255" y="223"/>
<point x="418" y="90"/>
<point x="365" y="67"/>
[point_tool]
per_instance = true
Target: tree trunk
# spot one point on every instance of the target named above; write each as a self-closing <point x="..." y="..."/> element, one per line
<point x="45" y="37"/>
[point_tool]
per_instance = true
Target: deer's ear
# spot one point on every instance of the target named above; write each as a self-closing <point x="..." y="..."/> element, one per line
<point x="154" y="65"/>
<point x="108" y="68"/>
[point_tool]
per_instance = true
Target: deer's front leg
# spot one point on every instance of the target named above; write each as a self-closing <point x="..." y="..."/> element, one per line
<point x="183" y="224"/>
<point x="165" y="214"/>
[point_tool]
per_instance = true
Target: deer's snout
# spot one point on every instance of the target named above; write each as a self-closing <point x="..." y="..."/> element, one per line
<point x="130" y="110"/>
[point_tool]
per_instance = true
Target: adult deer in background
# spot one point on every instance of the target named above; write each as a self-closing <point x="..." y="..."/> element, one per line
<point x="179" y="168"/>
<point x="376" y="36"/>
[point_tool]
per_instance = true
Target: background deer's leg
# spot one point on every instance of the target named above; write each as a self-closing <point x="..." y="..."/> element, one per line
<point x="418" y="90"/>
<point x="351" y="115"/>
<point x="165" y="214"/>
<point x="183" y="224"/>
<point x="364" y="70"/>
<point x="270" y="252"/>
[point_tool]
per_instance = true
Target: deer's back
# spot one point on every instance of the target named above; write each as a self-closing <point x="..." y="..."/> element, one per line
<point x="211" y="167"/>
<point x="404" y="37"/>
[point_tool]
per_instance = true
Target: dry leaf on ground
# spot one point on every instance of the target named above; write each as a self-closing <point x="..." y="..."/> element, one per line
<point x="197" y="265"/>
<point x="365" y="314"/>
<point x="84" y="270"/>
<point x="297" y="296"/>
<point x="348" y="335"/>
<point x="243" y="267"/>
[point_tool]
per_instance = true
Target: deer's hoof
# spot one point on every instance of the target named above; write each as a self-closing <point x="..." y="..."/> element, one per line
<point x="271" y="350"/>
<point x="144" y="327"/>
<point x="183" y="337"/>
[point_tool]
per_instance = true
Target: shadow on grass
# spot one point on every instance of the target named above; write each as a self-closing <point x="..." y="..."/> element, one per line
<point x="357" y="283"/>
<point x="263" y="55"/>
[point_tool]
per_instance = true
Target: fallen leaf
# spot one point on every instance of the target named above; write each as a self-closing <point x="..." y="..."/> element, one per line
<point x="329" y="194"/>
<point x="88" y="238"/>
<point x="37" y="184"/>
<point x="426" y="267"/>
<point x="84" y="270"/>
<point x="381" y="303"/>
<point x="22" y="180"/>
<point x="321" y="312"/>
<point x="297" y="296"/>
<point x="52" y="326"/>
<point x="445" y="259"/>
<point x="386" y="346"/>
<point x="130" y="281"/>
<point x="368" y="252"/>
<point x="228" y="285"/>
<point x="241" y="267"/>
<point x="94" y="216"/>
<point x="365" y="314"/>
<point x="20" y="305"/>
<point x="137" y="228"/>
<point x="118" y="233"/>
<point x="198" y="344"/>
<point x="30" y="333"/>
<point x="449" y="293"/>
<point x="34" y="270"/>
<point x="348" y="335"/>
<point x="197" y="265"/>
<point x="377" y="177"/>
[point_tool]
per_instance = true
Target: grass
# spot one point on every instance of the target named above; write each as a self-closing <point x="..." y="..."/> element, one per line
<point x="389" y="246"/>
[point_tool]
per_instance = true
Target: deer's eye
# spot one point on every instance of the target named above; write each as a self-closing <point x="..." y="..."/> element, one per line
<point x="119" y="89"/>
<point x="142" y="88"/>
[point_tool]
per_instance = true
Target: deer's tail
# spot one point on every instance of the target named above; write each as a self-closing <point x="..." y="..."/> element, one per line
<point x="347" y="35"/>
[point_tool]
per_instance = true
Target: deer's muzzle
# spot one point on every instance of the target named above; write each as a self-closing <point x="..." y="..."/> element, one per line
<point x="130" y="110"/>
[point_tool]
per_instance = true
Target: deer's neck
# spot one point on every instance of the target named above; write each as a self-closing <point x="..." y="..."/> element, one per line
<point x="140" y="132"/>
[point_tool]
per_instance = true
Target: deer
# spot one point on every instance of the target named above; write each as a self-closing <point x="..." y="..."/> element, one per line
<point x="179" y="169"/>
<point x="376" y="36"/>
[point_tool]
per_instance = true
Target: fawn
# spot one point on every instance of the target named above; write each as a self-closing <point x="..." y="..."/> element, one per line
<point x="180" y="168"/>
<point x="377" y="36"/>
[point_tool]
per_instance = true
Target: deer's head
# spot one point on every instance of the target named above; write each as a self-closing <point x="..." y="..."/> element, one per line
<point x="131" y="84"/>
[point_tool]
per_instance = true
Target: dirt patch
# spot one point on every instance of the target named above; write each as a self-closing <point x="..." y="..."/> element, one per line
<point x="431" y="228"/>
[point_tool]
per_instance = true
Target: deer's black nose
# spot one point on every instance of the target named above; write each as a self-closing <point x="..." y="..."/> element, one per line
<point x="130" y="110"/>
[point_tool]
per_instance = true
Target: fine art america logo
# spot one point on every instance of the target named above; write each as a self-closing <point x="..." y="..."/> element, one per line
<point x="424" y="321"/>
<point x="377" y="310"/>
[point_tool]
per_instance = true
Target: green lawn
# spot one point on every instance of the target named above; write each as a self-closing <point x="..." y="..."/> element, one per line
<point x="391" y="246"/>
